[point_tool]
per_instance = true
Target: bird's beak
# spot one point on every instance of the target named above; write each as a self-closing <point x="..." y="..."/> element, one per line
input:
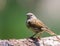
<point x="28" y="17"/>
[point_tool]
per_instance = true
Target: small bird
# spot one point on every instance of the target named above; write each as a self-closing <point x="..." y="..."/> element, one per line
<point x="37" y="25"/>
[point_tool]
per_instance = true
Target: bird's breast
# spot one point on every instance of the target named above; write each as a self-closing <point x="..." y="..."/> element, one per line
<point x="34" y="27"/>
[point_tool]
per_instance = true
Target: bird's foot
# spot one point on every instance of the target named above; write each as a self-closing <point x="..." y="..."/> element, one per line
<point x="34" y="38"/>
<point x="38" y="38"/>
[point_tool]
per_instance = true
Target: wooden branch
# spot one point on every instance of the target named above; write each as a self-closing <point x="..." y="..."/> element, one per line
<point x="47" y="41"/>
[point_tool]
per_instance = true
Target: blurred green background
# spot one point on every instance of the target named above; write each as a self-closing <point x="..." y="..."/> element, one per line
<point x="13" y="17"/>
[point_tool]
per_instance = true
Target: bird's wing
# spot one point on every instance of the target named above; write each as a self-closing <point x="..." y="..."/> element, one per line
<point x="37" y="23"/>
<point x="40" y="24"/>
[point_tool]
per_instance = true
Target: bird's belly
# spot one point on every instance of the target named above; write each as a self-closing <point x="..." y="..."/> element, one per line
<point x="36" y="30"/>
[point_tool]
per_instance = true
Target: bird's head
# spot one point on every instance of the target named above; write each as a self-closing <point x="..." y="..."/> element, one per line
<point x="30" y="15"/>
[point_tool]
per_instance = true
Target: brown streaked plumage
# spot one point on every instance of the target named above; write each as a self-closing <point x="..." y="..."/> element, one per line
<point x="37" y="25"/>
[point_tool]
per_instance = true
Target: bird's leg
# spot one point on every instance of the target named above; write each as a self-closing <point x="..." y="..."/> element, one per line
<point x="39" y="35"/>
<point x="33" y="35"/>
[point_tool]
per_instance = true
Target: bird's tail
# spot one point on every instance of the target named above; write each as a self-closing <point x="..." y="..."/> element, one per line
<point x="50" y="32"/>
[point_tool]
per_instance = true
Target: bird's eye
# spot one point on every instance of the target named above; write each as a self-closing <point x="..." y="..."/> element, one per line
<point x="30" y="15"/>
